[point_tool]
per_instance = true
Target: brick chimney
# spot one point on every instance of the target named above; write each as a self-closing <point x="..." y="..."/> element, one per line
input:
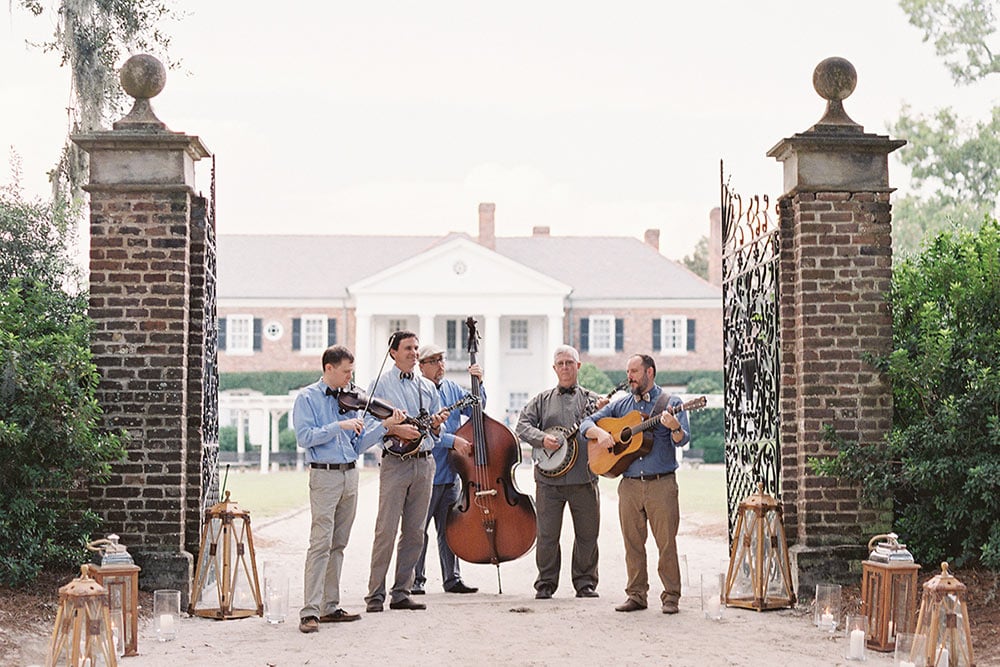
<point x="715" y="246"/>
<point x="540" y="230"/>
<point x="653" y="238"/>
<point x="487" y="228"/>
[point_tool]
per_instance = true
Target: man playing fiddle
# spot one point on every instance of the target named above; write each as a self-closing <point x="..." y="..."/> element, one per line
<point x="332" y="439"/>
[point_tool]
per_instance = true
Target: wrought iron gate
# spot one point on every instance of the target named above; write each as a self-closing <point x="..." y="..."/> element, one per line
<point x="210" y="367"/>
<point x="751" y="337"/>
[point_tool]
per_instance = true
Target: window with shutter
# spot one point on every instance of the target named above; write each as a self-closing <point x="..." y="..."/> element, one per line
<point x="603" y="331"/>
<point x="239" y="334"/>
<point x="314" y="333"/>
<point x="673" y="334"/>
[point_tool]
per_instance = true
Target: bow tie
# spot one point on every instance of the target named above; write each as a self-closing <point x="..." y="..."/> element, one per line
<point x="567" y="390"/>
<point x="642" y="397"/>
<point x="405" y="376"/>
<point x="332" y="392"/>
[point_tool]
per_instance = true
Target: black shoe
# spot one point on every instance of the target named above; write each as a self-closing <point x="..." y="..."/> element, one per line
<point x="543" y="593"/>
<point x="460" y="588"/>
<point x="630" y="605"/>
<point x="587" y="592"/>
<point x="339" y="616"/>
<point x="416" y="591"/>
<point x="407" y="603"/>
<point x="374" y="606"/>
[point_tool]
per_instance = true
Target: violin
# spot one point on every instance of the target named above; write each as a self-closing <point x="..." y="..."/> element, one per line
<point x="352" y="397"/>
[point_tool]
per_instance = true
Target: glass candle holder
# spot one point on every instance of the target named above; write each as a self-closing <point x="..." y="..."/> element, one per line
<point x="166" y="613"/>
<point x="711" y="595"/>
<point x="275" y="593"/>
<point x="910" y="650"/>
<point x="826" y="612"/>
<point x="855" y="633"/>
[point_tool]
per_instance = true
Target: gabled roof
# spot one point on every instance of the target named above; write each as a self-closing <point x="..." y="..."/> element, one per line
<point x="322" y="267"/>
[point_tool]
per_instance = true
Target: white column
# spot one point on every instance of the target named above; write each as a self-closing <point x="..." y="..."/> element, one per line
<point x="554" y="324"/>
<point x="241" y="437"/>
<point x="276" y="416"/>
<point x="265" y="449"/>
<point x="365" y="363"/>
<point x="496" y="385"/>
<point x="425" y="329"/>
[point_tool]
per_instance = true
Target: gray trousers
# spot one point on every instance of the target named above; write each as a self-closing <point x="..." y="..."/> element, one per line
<point x="443" y="497"/>
<point x="403" y="497"/>
<point x="333" y="502"/>
<point x="585" y="510"/>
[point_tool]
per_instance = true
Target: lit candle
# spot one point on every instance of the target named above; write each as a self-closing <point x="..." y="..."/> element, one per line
<point x="943" y="658"/>
<point x="166" y="623"/>
<point x="907" y="663"/>
<point x="857" y="650"/>
<point x="826" y="620"/>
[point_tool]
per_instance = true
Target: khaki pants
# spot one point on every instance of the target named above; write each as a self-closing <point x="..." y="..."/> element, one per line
<point x="333" y="502"/>
<point x="653" y="503"/>
<point x="403" y="497"/>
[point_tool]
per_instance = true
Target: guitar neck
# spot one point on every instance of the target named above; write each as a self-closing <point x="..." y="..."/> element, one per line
<point x="655" y="419"/>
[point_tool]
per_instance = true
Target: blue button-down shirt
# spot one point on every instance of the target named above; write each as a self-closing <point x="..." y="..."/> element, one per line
<point x="316" y="417"/>
<point x="408" y="395"/>
<point x="449" y="393"/>
<point x="663" y="457"/>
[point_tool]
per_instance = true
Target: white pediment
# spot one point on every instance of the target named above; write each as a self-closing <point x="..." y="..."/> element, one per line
<point x="460" y="267"/>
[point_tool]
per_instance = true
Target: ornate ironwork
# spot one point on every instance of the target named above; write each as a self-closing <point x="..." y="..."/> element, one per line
<point x="751" y="337"/>
<point x="210" y="364"/>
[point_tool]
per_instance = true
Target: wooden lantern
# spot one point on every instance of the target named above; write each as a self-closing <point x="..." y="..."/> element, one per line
<point x="119" y="575"/>
<point x="944" y="620"/>
<point x="82" y="633"/>
<point x="888" y="592"/>
<point x="759" y="575"/>
<point x="226" y="584"/>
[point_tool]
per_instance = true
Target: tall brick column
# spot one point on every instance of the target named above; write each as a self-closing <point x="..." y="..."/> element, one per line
<point x="836" y="269"/>
<point x="141" y="203"/>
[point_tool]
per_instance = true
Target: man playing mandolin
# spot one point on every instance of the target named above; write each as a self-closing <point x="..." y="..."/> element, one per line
<point x="648" y="489"/>
<point x="546" y="422"/>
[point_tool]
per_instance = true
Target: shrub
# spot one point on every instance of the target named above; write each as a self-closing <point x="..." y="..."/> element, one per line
<point x="941" y="462"/>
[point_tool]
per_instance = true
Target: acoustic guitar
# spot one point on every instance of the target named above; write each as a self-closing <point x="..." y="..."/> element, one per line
<point x="631" y="440"/>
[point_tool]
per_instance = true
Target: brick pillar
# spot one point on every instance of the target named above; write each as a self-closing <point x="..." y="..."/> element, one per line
<point x="836" y="270"/>
<point x="141" y="201"/>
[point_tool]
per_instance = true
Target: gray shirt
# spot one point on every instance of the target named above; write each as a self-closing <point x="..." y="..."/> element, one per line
<point x="552" y="408"/>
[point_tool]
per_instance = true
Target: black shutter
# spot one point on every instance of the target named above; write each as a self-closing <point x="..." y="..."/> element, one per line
<point x="584" y="334"/>
<point x="258" y="329"/>
<point x="331" y="332"/>
<point x="656" y="335"/>
<point x="465" y="338"/>
<point x="222" y="333"/>
<point x="296" y="333"/>
<point x="619" y="334"/>
<point x="450" y="341"/>
<point x="691" y="347"/>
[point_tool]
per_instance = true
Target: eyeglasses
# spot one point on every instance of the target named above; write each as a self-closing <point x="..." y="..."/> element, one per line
<point x="433" y="360"/>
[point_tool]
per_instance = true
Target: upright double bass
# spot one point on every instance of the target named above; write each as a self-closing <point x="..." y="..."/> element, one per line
<point x="492" y="522"/>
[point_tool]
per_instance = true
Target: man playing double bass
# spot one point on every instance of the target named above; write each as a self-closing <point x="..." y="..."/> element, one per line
<point x="648" y="489"/>
<point x="564" y="406"/>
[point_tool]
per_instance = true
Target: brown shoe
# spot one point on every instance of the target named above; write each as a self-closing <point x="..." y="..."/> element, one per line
<point x="339" y="616"/>
<point x="670" y="607"/>
<point x="630" y="605"/>
<point x="309" y="624"/>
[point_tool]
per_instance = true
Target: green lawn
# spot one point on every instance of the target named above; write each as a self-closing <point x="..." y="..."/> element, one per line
<point x="702" y="490"/>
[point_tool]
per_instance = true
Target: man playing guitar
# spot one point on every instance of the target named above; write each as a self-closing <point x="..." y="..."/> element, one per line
<point x="563" y="406"/>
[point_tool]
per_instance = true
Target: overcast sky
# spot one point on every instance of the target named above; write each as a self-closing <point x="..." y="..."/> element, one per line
<point x="589" y="117"/>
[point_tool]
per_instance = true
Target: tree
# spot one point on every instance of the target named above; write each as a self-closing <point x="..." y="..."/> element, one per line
<point x="954" y="163"/>
<point x="941" y="462"/>
<point x="49" y="415"/>
<point x="697" y="261"/>
<point x="91" y="37"/>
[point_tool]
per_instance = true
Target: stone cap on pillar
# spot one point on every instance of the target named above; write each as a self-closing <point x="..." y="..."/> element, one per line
<point x="140" y="152"/>
<point x="835" y="154"/>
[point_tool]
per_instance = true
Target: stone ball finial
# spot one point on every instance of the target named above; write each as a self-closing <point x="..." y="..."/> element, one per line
<point x="143" y="76"/>
<point x="835" y="79"/>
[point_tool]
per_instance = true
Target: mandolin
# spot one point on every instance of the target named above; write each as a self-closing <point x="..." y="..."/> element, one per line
<point x="630" y="440"/>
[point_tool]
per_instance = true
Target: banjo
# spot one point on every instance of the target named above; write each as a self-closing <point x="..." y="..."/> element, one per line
<point x="554" y="463"/>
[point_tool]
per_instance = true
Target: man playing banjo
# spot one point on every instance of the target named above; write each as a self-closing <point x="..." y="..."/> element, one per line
<point x="549" y="423"/>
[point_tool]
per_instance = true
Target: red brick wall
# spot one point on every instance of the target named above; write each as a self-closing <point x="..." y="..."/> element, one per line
<point x="139" y="301"/>
<point x="836" y="263"/>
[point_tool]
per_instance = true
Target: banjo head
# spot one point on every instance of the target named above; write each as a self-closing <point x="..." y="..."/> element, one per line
<point x="554" y="463"/>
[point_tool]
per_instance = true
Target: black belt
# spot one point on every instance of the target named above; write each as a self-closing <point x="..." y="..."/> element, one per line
<point x="423" y="454"/>
<point x="650" y="478"/>
<point x="333" y="466"/>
